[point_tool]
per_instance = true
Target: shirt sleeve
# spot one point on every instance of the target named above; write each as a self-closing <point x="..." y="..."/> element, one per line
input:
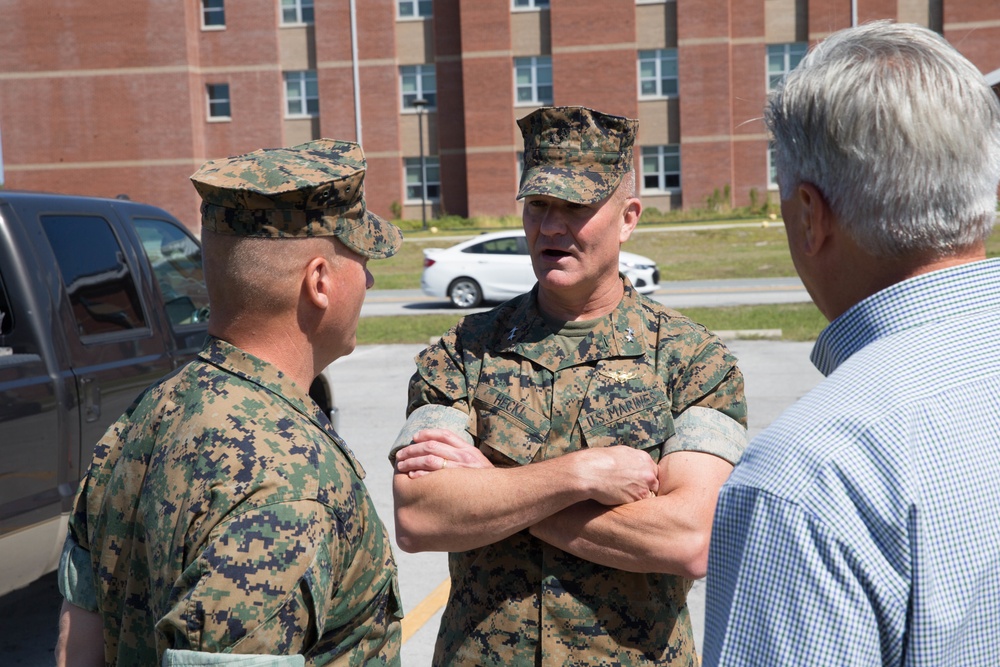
<point x="440" y="376"/>
<point x="708" y="377"/>
<point x="262" y="583"/>
<point x="784" y="589"/>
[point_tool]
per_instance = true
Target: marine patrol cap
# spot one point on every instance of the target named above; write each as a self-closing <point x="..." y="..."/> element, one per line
<point x="313" y="189"/>
<point x="575" y="153"/>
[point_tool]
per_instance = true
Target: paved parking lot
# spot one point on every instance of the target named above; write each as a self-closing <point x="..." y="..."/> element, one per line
<point x="371" y="393"/>
<point x="371" y="385"/>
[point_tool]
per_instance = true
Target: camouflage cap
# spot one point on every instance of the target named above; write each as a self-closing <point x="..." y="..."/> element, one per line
<point x="314" y="189"/>
<point x="575" y="153"/>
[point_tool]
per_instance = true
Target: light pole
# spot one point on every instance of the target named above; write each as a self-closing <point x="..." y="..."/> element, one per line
<point x="419" y="104"/>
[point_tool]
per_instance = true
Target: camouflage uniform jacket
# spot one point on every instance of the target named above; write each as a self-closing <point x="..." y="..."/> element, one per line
<point x="521" y="601"/>
<point x="222" y="513"/>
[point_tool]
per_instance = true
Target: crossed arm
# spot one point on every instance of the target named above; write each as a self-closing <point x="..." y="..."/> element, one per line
<point x="612" y="506"/>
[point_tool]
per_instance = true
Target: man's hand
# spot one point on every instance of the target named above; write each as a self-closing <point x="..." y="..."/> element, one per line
<point x="436" y="449"/>
<point x="616" y="475"/>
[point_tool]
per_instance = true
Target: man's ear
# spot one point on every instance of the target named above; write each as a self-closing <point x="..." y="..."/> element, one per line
<point x="816" y="218"/>
<point x="317" y="284"/>
<point x="630" y="218"/>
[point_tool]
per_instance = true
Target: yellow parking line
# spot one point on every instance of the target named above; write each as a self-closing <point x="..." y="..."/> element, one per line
<point x="424" y="611"/>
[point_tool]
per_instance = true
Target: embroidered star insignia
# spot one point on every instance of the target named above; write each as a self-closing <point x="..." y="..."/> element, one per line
<point x="510" y="334"/>
<point x="629" y="334"/>
<point x="618" y="376"/>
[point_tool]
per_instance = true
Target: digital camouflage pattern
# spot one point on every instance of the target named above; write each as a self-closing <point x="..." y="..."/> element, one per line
<point x="521" y="601"/>
<point x="575" y="153"/>
<point x="314" y="189"/>
<point x="222" y="513"/>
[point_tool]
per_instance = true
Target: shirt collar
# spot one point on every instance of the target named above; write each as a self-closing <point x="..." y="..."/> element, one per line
<point x="265" y="375"/>
<point x="620" y="334"/>
<point x="925" y="298"/>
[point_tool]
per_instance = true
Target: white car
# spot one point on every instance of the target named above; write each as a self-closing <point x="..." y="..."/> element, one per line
<point x="496" y="266"/>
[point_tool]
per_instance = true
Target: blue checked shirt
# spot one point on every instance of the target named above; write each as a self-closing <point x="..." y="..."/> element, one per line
<point x="863" y="526"/>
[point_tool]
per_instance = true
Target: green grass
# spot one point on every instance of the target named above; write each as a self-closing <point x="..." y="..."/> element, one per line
<point x="796" y="321"/>
<point x="743" y="252"/>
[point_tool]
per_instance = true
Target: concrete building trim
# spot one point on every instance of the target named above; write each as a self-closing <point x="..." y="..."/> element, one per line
<point x="595" y="48"/>
<point x="971" y="25"/>
<point x="344" y="64"/>
<point x="138" y="71"/>
<point x="194" y="162"/>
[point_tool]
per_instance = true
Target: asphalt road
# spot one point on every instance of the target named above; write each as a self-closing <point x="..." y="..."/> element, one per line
<point x="371" y="387"/>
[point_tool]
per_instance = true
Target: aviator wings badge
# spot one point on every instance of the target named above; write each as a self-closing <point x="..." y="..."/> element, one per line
<point x="618" y="376"/>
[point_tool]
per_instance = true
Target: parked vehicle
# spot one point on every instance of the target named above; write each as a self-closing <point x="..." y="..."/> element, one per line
<point x="98" y="299"/>
<point x="496" y="266"/>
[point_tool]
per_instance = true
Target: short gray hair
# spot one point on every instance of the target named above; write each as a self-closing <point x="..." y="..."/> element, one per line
<point x="901" y="134"/>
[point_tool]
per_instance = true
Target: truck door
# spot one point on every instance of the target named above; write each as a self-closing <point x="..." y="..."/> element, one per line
<point x="33" y="435"/>
<point x="116" y="348"/>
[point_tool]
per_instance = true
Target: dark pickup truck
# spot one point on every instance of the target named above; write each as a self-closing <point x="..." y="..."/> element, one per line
<point x="98" y="299"/>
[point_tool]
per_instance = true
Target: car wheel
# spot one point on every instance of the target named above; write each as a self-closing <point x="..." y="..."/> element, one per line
<point x="465" y="293"/>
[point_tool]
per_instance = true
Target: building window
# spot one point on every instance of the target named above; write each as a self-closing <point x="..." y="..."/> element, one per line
<point x="772" y="171"/>
<point x="418" y="81"/>
<point x="782" y="59"/>
<point x="533" y="80"/>
<point x="213" y="15"/>
<point x="661" y="168"/>
<point x="301" y="94"/>
<point x="414" y="8"/>
<point x="530" y="4"/>
<point x="658" y="73"/>
<point x="218" y="101"/>
<point x="296" y="12"/>
<point x="415" y="181"/>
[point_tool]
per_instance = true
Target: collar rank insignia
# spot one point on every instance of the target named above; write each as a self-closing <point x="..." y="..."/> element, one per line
<point x="629" y="334"/>
<point x="510" y="334"/>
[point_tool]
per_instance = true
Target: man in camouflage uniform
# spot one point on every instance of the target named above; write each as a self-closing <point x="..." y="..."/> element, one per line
<point x="222" y="514"/>
<point x="567" y="447"/>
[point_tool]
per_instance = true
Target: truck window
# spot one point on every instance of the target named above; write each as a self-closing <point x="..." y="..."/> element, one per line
<point x="101" y="289"/>
<point x="176" y="261"/>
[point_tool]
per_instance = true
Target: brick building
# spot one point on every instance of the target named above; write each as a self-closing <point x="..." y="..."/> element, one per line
<point x="107" y="97"/>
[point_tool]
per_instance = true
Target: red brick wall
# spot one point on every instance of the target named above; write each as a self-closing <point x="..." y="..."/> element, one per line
<point x="973" y="27"/>
<point x="704" y="63"/>
<point x="139" y="128"/>
<point x="450" y="106"/>
<point x="594" y="55"/>
<point x="487" y="93"/>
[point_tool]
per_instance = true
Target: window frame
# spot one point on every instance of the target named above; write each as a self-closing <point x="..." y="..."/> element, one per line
<point x="413" y="164"/>
<point x="530" y="6"/>
<point x="660" y="56"/>
<point x="663" y="151"/>
<point x="419" y="74"/>
<point x="532" y="67"/>
<point x="205" y="11"/>
<point x="210" y="101"/>
<point x="303" y="78"/>
<point x="415" y="5"/>
<point x="299" y="7"/>
<point x="772" y="171"/>
<point x="786" y="55"/>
